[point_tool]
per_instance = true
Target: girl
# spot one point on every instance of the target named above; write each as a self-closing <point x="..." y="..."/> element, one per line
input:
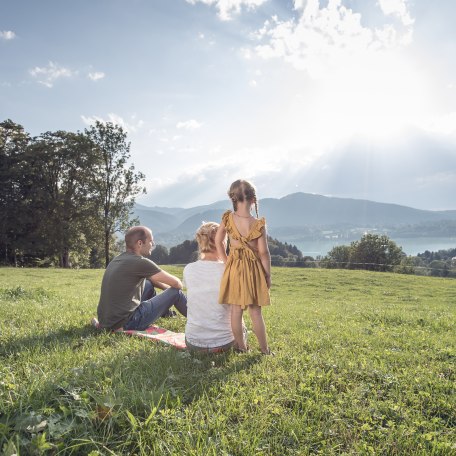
<point x="247" y="276"/>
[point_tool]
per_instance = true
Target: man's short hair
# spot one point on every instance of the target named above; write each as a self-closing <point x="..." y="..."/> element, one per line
<point x="135" y="234"/>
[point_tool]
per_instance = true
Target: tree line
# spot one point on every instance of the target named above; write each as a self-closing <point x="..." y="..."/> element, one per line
<point x="64" y="195"/>
<point x="379" y="253"/>
<point x="187" y="252"/>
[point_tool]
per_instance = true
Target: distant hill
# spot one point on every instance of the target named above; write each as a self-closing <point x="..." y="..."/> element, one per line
<point x="294" y="215"/>
<point x="158" y="220"/>
<point x="302" y="209"/>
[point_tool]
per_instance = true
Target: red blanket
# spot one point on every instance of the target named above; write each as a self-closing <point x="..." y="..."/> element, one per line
<point x="154" y="333"/>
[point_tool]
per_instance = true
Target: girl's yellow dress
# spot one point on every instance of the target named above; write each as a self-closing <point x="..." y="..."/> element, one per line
<point x="243" y="282"/>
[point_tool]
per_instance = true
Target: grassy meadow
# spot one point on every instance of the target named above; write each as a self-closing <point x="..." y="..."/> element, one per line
<point x="365" y="364"/>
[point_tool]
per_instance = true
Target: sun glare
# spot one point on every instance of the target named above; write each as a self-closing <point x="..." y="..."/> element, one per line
<point x="376" y="99"/>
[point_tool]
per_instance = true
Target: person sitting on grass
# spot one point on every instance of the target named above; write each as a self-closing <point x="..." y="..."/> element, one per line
<point x="208" y="326"/>
<point x="125" y="303"/>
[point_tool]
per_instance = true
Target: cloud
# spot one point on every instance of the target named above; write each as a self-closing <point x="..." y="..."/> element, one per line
<point x="201" y="184"/>
<point x="228" y="7"/>
<point x="7" y="35"/>
<point x="48" y="75"/>
<point x="191" y="124"/>
<point x="130" y="127"/>
<point x="207" y="181"/>
<point x="445" y="125"/>
<point x="418" y="170"/>
<point x="322" y="38"/>
<point x="97" y="75"/>
<point x="397" y="8"/>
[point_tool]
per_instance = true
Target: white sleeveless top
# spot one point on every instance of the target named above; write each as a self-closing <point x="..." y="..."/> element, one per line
<point x="208" y="322"/>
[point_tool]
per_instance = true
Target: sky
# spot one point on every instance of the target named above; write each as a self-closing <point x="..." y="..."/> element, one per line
<point x="344" y="98"/>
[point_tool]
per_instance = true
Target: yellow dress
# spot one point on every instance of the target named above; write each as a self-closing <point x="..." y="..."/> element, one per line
<point x="243" y="282"/>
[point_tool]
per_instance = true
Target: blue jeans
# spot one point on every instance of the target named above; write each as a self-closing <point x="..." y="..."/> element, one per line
<point x="155" y="307"/>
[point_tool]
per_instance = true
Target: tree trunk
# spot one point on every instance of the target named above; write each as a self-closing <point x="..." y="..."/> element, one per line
<point x="107" y="236"/>
<point x="65" y="258"/>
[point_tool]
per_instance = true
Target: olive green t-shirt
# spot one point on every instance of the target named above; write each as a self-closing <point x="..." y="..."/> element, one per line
<point x="121" y="289"/>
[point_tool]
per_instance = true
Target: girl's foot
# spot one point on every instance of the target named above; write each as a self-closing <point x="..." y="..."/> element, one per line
<point x="268" y="352"/>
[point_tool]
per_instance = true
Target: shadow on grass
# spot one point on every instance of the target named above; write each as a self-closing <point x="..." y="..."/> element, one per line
<point x="139" y="372"/>
<point x="74" y="337"/>
<point x="90" y="397"/>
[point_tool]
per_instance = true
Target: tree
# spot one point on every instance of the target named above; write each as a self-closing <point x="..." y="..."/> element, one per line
<point x="407" y="266"/>
<point x="339" y="257"/>
<point x="64" y="194"/>
<point x="375" y="253"/>
<point x="284" y="254"/>
<point x="117" y="185"/>
<point x="14" y="142"/>
<point x="438" y="268"/>
<point x="183" y="253"/>
<point x="160" y="254"/>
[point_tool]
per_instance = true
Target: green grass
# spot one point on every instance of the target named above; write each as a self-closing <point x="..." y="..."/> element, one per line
<point x="365" y="364"/>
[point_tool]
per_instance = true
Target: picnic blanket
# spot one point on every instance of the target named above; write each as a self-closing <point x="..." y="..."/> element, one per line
<point x="154" y="333"/>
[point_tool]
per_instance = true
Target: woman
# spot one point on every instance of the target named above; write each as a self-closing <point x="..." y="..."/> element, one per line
<point x="208" y="322"/>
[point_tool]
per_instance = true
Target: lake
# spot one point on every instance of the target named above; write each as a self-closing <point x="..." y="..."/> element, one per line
<point x="411" y="246"/>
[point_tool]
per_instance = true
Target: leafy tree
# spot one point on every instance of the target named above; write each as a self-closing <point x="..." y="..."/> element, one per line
<point x="339" y="257"/>
<point x="13" y="189"/>
<point x="160" y="255"/>
<point x="428" y="256"/>
<point x="64" y="199"/>
<point x="284" y="254"/>
<point x="277" y="260"/>
<point x="438" y="268"/>
<point x="375" y="252"/>
<point x="183" y="253"/>
<point x="407" y="266"/>
<point x="117" y="184"/>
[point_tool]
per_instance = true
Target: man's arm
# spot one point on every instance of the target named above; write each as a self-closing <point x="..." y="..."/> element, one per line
<point x="157" y="284"/>
<point x="164" y="278"/>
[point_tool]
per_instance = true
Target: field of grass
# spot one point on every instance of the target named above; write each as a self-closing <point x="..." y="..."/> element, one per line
<point x="365" y="364"/>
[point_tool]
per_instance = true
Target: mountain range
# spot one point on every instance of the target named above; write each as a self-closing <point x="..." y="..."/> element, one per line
<point x="299" y="216"/>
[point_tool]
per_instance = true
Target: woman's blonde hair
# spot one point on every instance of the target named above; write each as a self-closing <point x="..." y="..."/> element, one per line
<point x="205" y="236"/>
<point x="242" y="190"/>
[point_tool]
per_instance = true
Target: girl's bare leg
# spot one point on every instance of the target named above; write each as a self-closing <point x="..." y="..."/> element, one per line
<point x="236" y="327"/>
<point x="259" y="328"/>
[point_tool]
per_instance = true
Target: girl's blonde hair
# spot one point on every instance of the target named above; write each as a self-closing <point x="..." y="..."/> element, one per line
<point x="242" y="190"/>
<point x="205" y="236"/>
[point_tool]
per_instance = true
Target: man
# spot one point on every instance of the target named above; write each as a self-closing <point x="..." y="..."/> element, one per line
<point x="123" y="303"/>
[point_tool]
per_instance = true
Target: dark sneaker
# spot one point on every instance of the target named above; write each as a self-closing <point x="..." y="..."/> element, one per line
<point x="169" y="314"/>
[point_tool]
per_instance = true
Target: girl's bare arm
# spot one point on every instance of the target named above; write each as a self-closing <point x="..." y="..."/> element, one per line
<point x="265" y="256"/>
<point x="219" y="242"/>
